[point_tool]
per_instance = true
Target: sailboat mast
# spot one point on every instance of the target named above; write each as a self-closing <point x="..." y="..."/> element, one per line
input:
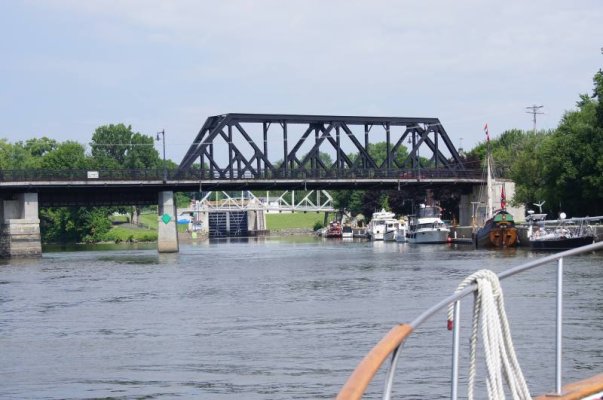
<point x="489" y="189"/>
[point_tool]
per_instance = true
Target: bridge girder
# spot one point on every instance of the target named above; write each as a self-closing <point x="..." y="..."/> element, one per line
<point x="316" y="136"/>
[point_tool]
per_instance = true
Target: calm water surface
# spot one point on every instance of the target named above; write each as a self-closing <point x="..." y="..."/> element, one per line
<point x="279" y="318"/>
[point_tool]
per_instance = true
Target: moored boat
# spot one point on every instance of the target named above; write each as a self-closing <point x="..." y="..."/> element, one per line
<point x="559" y="234"/>
<point x="427" y="226"/>
<point x="499" y="231"/>
<point x="401" y="233"/>
<point x="333" y="230"/>
<point x="393" y="229"/>
<point x="347" y="232"/>
<point x="381" y="223"/>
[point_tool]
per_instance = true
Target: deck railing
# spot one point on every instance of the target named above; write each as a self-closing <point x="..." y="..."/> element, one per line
<point x="390" y="345"/>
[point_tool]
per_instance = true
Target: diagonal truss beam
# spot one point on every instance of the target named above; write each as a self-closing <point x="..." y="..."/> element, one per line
<point x="248" y="155"/>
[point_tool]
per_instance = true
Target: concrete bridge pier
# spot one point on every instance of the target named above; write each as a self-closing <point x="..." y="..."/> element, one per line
<point x="167" y="240"/>
<point x="20" y="226"/>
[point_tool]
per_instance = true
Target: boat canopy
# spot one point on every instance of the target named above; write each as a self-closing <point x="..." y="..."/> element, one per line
<point x="503" y="216"/>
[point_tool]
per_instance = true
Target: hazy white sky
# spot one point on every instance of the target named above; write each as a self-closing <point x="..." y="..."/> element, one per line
<point x="69" y="66"/>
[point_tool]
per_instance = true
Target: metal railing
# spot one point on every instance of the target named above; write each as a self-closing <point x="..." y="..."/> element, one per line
<point x="158" y="174"/>
<point x="455" y="300"/>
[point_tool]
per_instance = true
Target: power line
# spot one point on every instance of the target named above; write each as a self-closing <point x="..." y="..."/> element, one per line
<point x="534" y="111"/>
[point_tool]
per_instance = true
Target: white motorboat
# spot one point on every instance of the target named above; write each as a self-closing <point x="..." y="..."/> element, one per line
<point x="427" y="226"/>
<point x="392" y="230"/>
<point x="401" y="234"/>
<point x="383" y="224"/>
<point x="347" y="232"/>
<point x="395" y="231"/>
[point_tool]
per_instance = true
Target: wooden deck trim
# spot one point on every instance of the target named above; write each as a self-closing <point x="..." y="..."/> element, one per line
<point x="578" y="390"/>
<point x="365" y="371"/>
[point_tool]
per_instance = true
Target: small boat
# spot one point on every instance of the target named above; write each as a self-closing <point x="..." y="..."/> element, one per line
<point x="392" y="230"/>
<point x="427" y="226"/>
<point x="381" y="223"/>
<point x="396" y="231"/>
<point x="347" y="232"/>
<point x="361" y="233"/>
<point x="401" y="233"/>
<point x="560" y="234"/>
<point x="333" y="230"/>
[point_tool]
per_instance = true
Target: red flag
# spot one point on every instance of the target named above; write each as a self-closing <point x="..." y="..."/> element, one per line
<point x="487" y="133"/>
<point x="503" y="198"/>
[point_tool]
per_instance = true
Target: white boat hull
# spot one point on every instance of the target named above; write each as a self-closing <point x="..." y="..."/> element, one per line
<point x="377" y="235"/>
<point x="429" y="236"/>
<point x="390" y="236"/>
<point x="401" y="236"/>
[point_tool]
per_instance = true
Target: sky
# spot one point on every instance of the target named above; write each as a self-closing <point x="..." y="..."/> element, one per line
<point x="70" y="66"/>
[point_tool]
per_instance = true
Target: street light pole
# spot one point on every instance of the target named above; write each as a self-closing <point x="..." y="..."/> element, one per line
<point x="164" y="166"/>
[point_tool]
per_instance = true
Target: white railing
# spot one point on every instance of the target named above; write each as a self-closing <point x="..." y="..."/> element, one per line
<point x="352" y="390"/>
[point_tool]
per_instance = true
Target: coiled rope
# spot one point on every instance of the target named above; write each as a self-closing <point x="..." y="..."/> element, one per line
<point x="501" y="361"/>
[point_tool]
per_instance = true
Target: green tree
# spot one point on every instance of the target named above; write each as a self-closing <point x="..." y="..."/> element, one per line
<point x="110" y="144"/>
<point x="16" y="156"/>
<point x="527" y="169"/>
<point x="142" y="153"/>
<point x="94" y="224"/>
<point x="118" y="147"/>
<point x="74" y="224"/>
<point x="598" y="94"/>
<point x="57" y="225"/>
<point x="39" y="147"/>
<point x="378" y="151"/>
<point x="66" y="155"/>
<point x="573" y="161"/>
<point x="5" y="151"/>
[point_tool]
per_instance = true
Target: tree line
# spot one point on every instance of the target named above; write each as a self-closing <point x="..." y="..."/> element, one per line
<point x="563" y="166"/>
<point x="111" y="147"/>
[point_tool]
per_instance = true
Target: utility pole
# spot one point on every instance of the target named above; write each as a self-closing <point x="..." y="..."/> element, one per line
<point x="534" y="111"/>
<point x="162" y="133"/>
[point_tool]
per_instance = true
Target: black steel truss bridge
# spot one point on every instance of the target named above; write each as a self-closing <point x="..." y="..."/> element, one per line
<point x="277" y="146"/>
<point x="275" y="151"/>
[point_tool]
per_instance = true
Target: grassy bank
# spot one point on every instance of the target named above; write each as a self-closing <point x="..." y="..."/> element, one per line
<point x="131" y="233"/>
<point x="277" y="222"/>
<point x="122" y="231"/>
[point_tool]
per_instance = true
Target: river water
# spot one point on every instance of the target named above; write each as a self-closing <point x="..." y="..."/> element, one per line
<point x="274" y="318"/>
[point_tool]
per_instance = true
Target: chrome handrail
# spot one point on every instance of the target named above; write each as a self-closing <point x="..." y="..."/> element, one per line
<point x="456" y="297"/>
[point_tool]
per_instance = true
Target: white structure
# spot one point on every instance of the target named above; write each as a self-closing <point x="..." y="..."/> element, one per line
<point x="20" y="226"/>
<point x="167" y="234"/>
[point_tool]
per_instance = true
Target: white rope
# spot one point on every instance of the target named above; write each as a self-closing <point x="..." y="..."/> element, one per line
<point x="501" y="362"/>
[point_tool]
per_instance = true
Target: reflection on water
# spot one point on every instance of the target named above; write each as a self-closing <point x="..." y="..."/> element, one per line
<point x="266" y="318"/>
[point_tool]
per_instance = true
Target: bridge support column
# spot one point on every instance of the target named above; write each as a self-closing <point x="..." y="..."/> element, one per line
<point x="20" y="226"/>
<point x="167" y="240"/>
<point x="465" y="210"/>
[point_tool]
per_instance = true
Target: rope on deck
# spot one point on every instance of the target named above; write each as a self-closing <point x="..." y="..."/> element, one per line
<point x="501" y="361"/>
